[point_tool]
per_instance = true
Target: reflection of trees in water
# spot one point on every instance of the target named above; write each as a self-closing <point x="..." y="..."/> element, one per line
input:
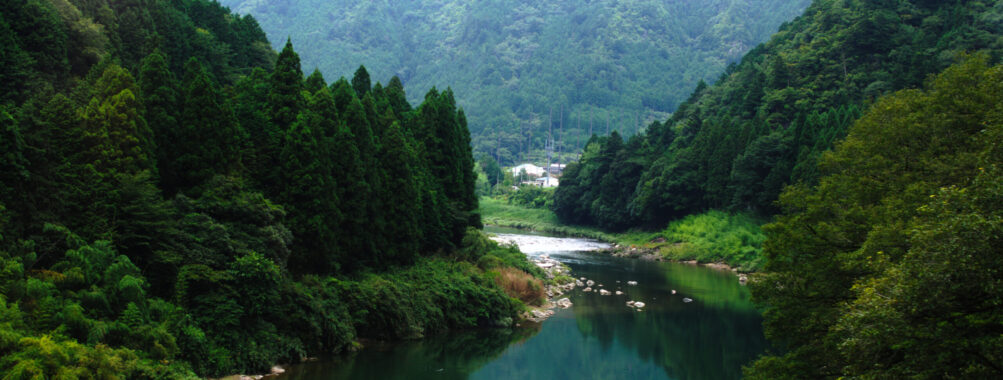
<point x="687" y="340"/>
<point x="449" y="356"/>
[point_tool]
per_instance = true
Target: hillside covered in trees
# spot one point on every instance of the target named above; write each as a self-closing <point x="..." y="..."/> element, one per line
<point x="176" y="199"/>
<point x="735" y="145"/>
<point x="523" y="64"/>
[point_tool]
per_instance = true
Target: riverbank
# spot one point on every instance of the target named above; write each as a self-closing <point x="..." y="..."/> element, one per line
<point x="715" y="239"/>
<point x="499" y="213"/>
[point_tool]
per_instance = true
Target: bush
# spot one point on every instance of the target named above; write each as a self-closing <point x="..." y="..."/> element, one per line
<point x="532" y="197"/>
<point x="736" y="239"/>
<point x="488" y="262"/>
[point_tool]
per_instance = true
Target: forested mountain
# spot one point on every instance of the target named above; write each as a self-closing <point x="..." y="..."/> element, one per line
<point x="522" y="64"/>
<point x="177" y="199"/>
<point x="763" y="125"/>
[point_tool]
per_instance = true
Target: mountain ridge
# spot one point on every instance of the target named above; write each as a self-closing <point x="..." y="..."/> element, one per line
<point x="511" y="62"/>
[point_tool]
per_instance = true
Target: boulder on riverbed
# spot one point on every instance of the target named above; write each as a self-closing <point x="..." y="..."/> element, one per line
<point x="590" y="282"/>
<point x="538" y="315"/>
<point x="639" y="304"/>
<point x="563" y="303"/>
<point x="632" y="283"/>
<point x="587" y="290"/>
<point x="604" y="292"/>
<point x="619" y="293"/>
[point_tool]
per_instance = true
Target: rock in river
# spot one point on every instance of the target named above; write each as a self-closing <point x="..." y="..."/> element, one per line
<point x="563" y="303"/>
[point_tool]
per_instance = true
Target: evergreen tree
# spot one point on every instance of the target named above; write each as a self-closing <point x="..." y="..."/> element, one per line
<point x="160" y="98"/>
<point x="395" y="95"/>
<point x="40" y="34"/>
<point x="117" y="137"/>
<point x="309" y="193"/>
<point x="370" y="182"/>
<point x="15" y="64"/>
<point x="285" y="98"/>
<point x="343" y="94"/>
<point x="13" y="166"/>
<point x="361" y="82"/>
<point x="211" y="138"/>
<point x="314" y="82"/>
<point x="465" y="156"/>
<point x="250" y="100"/>
<point x="401" y="195"/>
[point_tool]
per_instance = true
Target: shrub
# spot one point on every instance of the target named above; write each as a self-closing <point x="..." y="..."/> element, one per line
<point x="488" y="262"/>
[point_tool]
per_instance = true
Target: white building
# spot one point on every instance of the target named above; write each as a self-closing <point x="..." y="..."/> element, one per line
<point x="557" y="169"/>
<point x="531" y="170"/>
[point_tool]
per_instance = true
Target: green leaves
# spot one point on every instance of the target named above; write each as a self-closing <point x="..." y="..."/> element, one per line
<point x="884" y="268"/>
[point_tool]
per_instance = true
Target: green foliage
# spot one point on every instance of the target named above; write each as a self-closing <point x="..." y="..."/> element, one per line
<point x="423" y="299"/>
<point x="715" y="236"/>
<point x="884" y="269"/>
<point x="532" y="197"/>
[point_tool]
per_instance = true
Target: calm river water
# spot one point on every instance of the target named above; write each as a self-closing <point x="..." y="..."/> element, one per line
<point x="597" y="338"/>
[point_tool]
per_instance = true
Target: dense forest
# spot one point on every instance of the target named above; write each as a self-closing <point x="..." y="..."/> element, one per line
<point x="889" y="266"/>
<point x="871" y="131"/>
<point x="176" y="199"/>
<point x="523" y="66"/>
<point x="763" y="125"/>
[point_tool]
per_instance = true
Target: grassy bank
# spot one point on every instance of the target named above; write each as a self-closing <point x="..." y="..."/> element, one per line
<point x="498" y="212"/>
<point x="713" y="236"/>
<point x="710" y="237"/>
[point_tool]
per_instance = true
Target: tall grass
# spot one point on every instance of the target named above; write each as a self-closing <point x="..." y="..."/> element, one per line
<point x="520" y="285"/>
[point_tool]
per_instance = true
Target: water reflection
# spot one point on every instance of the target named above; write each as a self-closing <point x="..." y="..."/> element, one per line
<point x="598" y="338"/>
<point x="448" y="356"/>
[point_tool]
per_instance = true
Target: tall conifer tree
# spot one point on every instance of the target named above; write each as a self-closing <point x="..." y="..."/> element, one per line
<point x="400" y="193"/>
<point x="159" y="89"/>
<point x="210" y="135"/>
<point x="361" y="82"/>
<point x="308" y="192"/>
<point x="285" y="98"/>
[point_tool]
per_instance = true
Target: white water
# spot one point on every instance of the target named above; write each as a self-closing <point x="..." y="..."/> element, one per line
<point x="535" y="245"/>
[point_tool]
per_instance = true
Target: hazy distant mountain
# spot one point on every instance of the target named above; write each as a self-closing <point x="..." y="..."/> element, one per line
<point x="626" y="62"/>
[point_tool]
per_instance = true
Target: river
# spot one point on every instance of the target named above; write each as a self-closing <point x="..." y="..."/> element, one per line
<point x="600" y="337"/>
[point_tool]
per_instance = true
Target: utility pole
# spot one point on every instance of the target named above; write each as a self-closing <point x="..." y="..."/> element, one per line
<point x="578" y="122"/>
<point x="550" y="146"/>
<point x="560" y="144"/>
